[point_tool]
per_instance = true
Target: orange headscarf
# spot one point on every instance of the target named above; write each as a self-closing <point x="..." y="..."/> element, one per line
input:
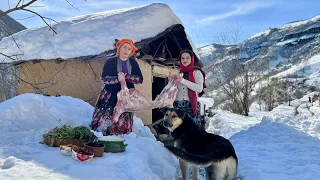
<point x="122" y="41"/>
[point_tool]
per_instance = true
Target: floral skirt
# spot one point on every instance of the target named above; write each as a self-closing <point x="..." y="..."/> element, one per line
<point x="186" y="106"/>
<point x="102" y="118"/>
<point x="108" y="127"/>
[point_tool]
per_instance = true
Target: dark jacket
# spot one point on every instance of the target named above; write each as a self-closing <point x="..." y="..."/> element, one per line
<point x="109" y="78"/>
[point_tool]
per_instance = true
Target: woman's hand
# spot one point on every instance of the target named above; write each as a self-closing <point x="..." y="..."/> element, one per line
<point x="179" y="78"/>
<point x="121" y="77"/>
<point x="174" y="76"/>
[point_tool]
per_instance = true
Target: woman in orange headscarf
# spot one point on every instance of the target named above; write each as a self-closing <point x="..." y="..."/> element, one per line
<point x="117" y="70"/>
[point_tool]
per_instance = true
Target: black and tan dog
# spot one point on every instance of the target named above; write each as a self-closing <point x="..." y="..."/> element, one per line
<point x="194" y="146"/>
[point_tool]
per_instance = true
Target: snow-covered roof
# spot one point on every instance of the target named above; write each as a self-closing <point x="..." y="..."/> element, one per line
<point x="90" y="34"/>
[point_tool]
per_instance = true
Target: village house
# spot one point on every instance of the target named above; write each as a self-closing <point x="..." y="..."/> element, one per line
<point x="70" y="62"/>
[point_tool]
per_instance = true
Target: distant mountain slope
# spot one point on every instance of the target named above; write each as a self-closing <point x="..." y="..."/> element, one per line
<point x="210" y="52"/>
<point x="283" y="48"/>
<point x="9" y="26"/>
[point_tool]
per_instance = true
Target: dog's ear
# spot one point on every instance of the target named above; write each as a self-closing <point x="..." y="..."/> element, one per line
<point x="181" y="113"/>
<point x="163" y="110"/>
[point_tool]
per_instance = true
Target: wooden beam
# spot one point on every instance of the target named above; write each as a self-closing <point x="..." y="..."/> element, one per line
<point x="154" y="55"/>
<point x="164" y="50"/>
<point x="168" y="50"/>
<point x="174" y="38"/>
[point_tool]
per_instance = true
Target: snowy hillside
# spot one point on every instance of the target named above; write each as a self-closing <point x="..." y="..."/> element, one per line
<point x="289" y="55"/>
<point x="288" y="50"/>
<point x="211" y="52"/>
<point x="275" y="145"/>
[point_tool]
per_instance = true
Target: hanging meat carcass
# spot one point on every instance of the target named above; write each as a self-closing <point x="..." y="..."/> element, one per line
<point x="132" y="100"/>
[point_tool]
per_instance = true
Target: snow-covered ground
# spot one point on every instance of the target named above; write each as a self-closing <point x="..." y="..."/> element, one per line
<point x="273" y="150"/>
<point x="205" y="101"/>
<point x="274" y="145"/>
<point x="227" y="124"/>
<point x="25" y="118"/>
<point x="270" y="145"/>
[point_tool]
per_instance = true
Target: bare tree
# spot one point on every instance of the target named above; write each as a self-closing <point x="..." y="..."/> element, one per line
<point x="21" y="6"/>
<point x="236" y="79"/>
<point x="231" y="35"/>
<point x="8" y="71"/>
<point x="25" y="6"/>
<point x="8" y="86"/>
<point x="288" y="90"/>
<point x="269" y="93"/>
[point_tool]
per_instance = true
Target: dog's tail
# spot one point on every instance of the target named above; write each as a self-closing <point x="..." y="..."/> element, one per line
<point x="202" y="160"/>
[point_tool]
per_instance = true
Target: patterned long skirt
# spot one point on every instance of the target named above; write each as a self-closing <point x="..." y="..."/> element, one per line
<point x="186" y="106"/>
<point x="102" y="118"/>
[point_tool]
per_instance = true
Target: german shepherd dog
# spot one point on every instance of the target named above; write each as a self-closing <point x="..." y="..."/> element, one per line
<point x="194" y="146"/>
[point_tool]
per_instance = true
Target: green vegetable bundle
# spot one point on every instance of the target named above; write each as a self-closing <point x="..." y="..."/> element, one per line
<point x="82" y="132"/>
<point x="68" y="132"/>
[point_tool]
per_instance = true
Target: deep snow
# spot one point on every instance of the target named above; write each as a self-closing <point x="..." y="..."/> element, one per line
<point x="269" y="145"/>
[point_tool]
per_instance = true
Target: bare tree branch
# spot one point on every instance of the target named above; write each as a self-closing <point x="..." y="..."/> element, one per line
<point x="10" y="57"/>
<point x="43" y="19"/>
<point x="11" y="67"/>
<point x="25" y="18"/>
<point x="17" y="8"/>
<point x="38" y="6"/>
<point x="14" y="40"/>
<point x="230" y="36"/>
<point x="35" y="87"/>
<point x="17" y="4"/>
<point x="72" y="5"/>
<point x="9" y="30"/>
<point x="6" y="28"/>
